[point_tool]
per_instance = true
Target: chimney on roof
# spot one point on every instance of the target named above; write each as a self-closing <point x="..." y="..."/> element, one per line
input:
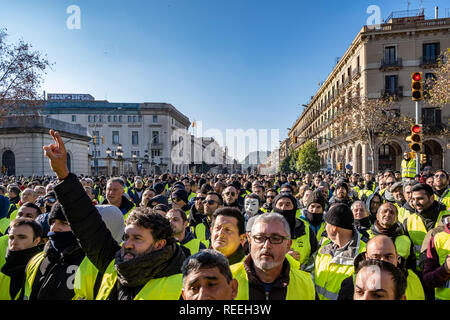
<point x="436" y="12"/>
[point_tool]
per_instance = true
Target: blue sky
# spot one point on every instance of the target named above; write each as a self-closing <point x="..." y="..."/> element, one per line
<point x="231" y="64"/>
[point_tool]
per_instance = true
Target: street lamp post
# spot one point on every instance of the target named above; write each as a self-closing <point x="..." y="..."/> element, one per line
<point x="119" y="153"/>
<point x="135" y="162"/>
<point x="108" y="158"/>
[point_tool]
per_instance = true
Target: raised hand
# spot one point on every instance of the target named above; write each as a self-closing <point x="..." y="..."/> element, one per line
<point x="57" y="155"/>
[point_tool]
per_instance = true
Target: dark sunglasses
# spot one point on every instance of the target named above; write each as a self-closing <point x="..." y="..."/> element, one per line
<point x="440" y="175"/>
<point x="230" y="194"/>
<point x="199" y="198"/>
<point x="210" y="202"/>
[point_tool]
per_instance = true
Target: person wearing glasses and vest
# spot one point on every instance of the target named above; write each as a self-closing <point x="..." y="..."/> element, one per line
<point x="334" y="259"/>
<point x="266" y="273"/>
<point x="147" y="266"/>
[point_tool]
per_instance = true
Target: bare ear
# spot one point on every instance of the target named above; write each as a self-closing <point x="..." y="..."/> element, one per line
<point x="234" y="288"/>
<point x="160" y="244"/>
<point x="37" y="241"/>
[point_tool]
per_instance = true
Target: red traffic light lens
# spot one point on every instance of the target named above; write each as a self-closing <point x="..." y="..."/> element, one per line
<point x="416" y="129"/>
<point x="417" y="77"/>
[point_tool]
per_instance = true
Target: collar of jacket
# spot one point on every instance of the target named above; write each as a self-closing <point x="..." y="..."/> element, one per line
<point x="281" y="282"/>
<point x="392" y="232"/>
<point x="408" y="207"/>
<point x="237" y="256"/>
<point x="188" y="236"/>
<point x="346" y="254"/>
<point x="156" y="264"/>
<point x="16" y="261"/>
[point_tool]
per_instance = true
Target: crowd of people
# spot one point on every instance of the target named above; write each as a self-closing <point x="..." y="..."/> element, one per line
<point x="297" y="236"/>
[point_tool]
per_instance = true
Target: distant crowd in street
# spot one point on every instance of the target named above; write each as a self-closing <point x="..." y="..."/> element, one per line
<point x="289" y="236"/>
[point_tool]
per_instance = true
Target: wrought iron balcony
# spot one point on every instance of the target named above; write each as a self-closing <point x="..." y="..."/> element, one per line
<point x="391" y="64"/>
<point x="392" y="92"/>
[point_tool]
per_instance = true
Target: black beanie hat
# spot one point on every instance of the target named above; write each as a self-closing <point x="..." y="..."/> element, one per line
<point x="56" y="212"/>
<point x="316" y="197"/>
<point x="342" y="184"/>
<point x="181" y="194"/>
<point x="340" y="215"/>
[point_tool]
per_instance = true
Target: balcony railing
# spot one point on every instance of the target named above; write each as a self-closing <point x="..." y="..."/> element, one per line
<point x="394" y="93"/>
<point x="356" y="72"/>
<point x="428" y="61"/>
<point x="391" y="63"/>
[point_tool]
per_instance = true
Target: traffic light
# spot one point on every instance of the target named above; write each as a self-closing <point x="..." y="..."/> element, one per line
<point x="416" y="138"/>
<point x="95" y="139"/>
<point x="103" y="139"/>
<point x="339" y="166"/>
<point x="423" y="158"/>
<point x="417" y="86"/>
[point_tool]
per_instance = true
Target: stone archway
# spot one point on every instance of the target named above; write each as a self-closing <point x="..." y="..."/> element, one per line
<point x="434" y="154"/>
<point x="8" y="163"/>
<point x="389" y="156"/>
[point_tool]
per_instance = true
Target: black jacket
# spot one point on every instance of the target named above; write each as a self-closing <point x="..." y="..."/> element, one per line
<point x="56" y="274"/>
<point x="101" y="248"/>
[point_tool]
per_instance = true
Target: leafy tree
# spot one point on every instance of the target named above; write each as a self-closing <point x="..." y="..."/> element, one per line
<point x="308" y="159"/>
<point x="438" y="93"/>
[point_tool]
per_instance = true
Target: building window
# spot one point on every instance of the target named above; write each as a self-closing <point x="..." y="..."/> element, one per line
<point x="129" y="118"/>
<point x="139" y="118"/>
<point x="115" y="118"/>
<point x="155" y="119"/>
<point x="156" y="153"/>
<point x="431" y="52"/>
<point x="115" y="137"/>
<point x="391" y="84"/>
<point x="95" y="118"/>
<point x="134" y="118"/>
<point x="155" y="137"/>
<point x="89" y="118"/>
<point x="74" y="118"/>
<point x="431" y="116"/>
<point x="109" y="118"/>
<point x="100" y="118"/>
<point x="120" y="118"/>
<point x="389" y="55"/>
<point x="134" y="137"/>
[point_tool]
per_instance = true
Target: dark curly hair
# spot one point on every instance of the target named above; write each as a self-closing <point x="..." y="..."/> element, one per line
<point x="147" y="218"/>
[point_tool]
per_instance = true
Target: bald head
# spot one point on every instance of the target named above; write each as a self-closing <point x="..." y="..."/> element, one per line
<point x="382" y="247"/>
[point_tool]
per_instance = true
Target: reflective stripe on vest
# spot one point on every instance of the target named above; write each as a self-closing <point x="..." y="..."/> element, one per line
<point x="32" y="269"/>
<point x="331" y="271"/>
<point x="167" y="288"/>
<point x="300" y="287"/>
<point x="417" y="232"/>
<point x="408" y="169"/>
<point x="84" y="283"/>
<point x="3" y="249"/>
<point x="442" y="245"/>
<point x="403" y="214"/>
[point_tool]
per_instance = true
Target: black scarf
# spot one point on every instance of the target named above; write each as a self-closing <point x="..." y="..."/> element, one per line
<point x="365" y="222"/>
<point x="289" y="215"/>
<point x="315" y="219"/>
<point x="15" y="265"/>
<point x="156" y="264"/>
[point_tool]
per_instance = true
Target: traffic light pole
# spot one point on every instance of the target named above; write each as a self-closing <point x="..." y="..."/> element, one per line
<point x="418" y="122"/>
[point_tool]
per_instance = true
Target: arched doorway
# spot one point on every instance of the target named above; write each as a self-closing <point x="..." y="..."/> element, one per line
<point x="9" y="163"/>
<point x="389" y="156"/>
<point x="434" y="154"/>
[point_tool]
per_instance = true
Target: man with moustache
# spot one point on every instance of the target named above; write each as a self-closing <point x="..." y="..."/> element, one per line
<point x="146" y="266"/>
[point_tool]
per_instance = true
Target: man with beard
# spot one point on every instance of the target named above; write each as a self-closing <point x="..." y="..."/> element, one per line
<point x="230" y="197"/>
<point x="266" y="273"/>
<point x="441" y="187"/>
<point x="313" y="213"/>
<point x="373" y="202"/>
<point x="148" y="263"/>
<point x="50" y="274"/>
<point x="428" y="213"/>
<point x="179" y="223"/>
<point x="304" y="241"/>
<point x="23" y="243"/>
<point x="341" y="194"/>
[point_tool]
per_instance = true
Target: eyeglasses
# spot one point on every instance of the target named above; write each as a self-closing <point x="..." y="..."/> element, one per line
<point x="439" y="175"/>
<point x="51" y="200"/>
<point x="273" y="239"/>
<point x="230" y="194"/>
<point x="389" y="183"/>
<point x="210" y="202"/>
<point x="270" y="197"/>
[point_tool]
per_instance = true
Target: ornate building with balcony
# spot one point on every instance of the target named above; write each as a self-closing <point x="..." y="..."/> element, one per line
<point x="378" y="63"/>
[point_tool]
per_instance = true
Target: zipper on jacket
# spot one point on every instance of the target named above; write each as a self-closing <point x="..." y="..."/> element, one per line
<point x="267" y="295"/>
